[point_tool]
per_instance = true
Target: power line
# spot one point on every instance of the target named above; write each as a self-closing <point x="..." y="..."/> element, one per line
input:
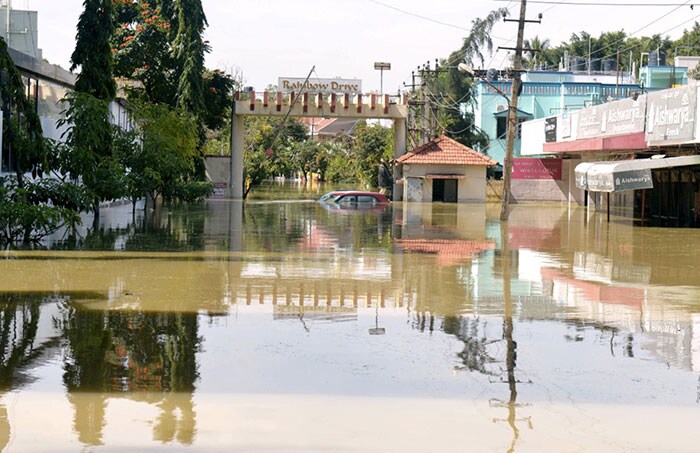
<point x="544" y="2"/>
<point x="386" y="5"/>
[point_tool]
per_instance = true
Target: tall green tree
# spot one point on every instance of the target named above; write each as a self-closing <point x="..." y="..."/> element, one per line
<point x="189" y="48"/>
<point x="90" y="153"/>
<point x="93" y="52"/>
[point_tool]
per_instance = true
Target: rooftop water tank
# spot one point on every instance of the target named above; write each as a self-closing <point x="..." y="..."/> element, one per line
<point x="609" y="65"/>
<point x="578" y="64"/>
<point x="657" y="58"/>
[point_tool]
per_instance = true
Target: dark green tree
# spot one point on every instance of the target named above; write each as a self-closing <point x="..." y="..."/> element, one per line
<point x="93" y="52"/>
<point x="90" y="154"/>
<point x="372" y="144"/>
<point x="189" y="48"/>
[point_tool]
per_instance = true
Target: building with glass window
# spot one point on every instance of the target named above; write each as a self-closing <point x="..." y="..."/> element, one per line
<point x="544" y="93"/>
<point x="46" y="85"/>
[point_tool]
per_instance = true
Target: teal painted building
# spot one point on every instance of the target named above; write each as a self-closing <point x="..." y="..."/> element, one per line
<point x="543" y="94"/>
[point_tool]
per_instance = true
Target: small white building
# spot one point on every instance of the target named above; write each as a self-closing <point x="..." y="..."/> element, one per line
<point x="444" y="170"/>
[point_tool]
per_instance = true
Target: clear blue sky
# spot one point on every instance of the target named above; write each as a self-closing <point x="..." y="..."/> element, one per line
<point x="263" y="39"/>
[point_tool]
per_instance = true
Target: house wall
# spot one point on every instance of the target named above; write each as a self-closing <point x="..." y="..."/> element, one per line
<point x="472" y="188"/>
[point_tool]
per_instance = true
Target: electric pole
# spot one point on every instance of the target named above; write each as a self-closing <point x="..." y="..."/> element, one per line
<point x="513" y="110"/>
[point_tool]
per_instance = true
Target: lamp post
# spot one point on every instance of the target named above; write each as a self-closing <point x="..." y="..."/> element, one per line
<point x="512" y="102"/>
<point x="382" y="66"/>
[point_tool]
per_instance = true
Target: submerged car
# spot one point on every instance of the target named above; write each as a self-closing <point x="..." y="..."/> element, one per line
<point x="354" y="199"/>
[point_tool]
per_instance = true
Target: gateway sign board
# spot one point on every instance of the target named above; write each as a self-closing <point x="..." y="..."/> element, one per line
<point x="325" y="86"/>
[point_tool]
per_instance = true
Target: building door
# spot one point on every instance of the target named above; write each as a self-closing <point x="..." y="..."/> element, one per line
<point x="445" y="190"/>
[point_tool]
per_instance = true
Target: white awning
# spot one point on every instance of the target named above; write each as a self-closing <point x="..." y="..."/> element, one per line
<point x="622" y="175"/>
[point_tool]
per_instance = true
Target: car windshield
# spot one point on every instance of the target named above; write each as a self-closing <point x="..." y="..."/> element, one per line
<point x="330" y="196"/>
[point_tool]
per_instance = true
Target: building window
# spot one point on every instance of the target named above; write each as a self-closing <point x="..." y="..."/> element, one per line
<point x="502" y="127"/>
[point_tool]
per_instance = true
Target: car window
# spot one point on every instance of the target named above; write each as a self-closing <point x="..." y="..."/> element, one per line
<point x="366" y="199"/>
<point x="347" y="199"/>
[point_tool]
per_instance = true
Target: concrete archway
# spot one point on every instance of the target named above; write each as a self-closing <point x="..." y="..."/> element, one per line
<point x="311" y="105"/>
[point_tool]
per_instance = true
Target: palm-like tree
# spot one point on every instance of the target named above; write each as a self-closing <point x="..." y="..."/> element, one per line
<point x="531" y="56"/>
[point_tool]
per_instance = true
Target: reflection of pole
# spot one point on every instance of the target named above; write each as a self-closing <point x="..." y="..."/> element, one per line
<point x="511" y="355"/>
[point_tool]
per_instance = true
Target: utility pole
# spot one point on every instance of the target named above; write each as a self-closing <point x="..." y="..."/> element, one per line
<point x="513" y="109"/>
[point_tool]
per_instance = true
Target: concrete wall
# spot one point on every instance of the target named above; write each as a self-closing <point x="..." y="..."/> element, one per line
<point x="472" y="188"/>
<point x="218" y="171"/>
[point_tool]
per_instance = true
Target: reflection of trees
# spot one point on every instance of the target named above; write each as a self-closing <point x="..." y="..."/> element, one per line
<point x="19" y="320"/>
<point x="136" y="352"/>
<point x="180" y="228"/>
<point x="474" y="356"/>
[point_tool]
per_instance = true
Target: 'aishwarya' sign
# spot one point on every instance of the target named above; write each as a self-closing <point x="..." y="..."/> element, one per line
<point x="625" y="116"/>
<point x="316" y="85"/>
<point x="671" y="117"/>
<point x="532" y="168"/>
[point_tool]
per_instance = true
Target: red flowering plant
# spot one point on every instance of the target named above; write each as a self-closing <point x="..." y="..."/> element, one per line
<point x="141" y="48"/>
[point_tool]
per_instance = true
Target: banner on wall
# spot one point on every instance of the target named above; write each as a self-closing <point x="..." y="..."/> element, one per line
<point x="534" y="168"/>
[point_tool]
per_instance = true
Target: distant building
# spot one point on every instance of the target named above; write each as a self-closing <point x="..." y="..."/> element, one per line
<point x="20" y="32"/>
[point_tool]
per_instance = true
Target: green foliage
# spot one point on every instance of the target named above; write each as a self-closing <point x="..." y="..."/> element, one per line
<point x="159" y="155"/>
<point x="217" y="99"/>
<point x="22" y="135"/>
<point x="266" y="141"/>
<point x="372" y="144"/>
<point x="93" y="52"/>
<point x="87" y="153"/>
<point x="141" y="48"/>
<point x="189" y="48"/>
<point x="187" y="192"/>
<point x="29" y="213"/>
<point x="480" y="36"/>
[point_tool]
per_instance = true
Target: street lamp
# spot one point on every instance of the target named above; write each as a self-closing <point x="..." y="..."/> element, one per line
<point x="512" y="102"/>
<point x="382" y="66"/>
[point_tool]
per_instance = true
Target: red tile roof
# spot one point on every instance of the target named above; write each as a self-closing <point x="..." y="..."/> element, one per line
<point x="445" y="151"/>
<point x="450" y="252"/>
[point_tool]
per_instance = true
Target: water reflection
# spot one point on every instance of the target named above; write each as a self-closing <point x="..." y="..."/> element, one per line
<point x="541" y="325"/>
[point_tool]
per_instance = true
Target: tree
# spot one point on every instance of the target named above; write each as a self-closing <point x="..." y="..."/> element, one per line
<point x="90" y="155"/>
<point x="161" y="157"/>
<point x="372" y="144"/>
<point x="189" y="48"/>
<point x="265" y="139"/>
<point x="480" y="36"/>
<point x="93" y="52"/>
<point x="30" y="208"/>
<point x="532" y="58"/>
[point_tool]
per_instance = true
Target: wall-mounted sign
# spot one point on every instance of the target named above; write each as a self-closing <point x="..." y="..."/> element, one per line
<point x="533" y="168"/>
<point x="316" y="85"/>
<point x="550" y="129"/>
<point x="622" y="117"/>
<point x="671" y="116"/>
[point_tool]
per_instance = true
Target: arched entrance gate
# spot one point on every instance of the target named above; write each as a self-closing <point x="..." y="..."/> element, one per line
<point x="312" y="105"/>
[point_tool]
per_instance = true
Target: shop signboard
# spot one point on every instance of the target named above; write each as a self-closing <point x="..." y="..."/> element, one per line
<point x="550" y="129"/>
<point x="611" y="181"/>
<point x="533" y="168"/>
<point x="671" y="116"/>
<point x="622" y="117"/>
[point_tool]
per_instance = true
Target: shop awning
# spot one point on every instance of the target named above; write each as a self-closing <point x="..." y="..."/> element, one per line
<point x="617" y="176"/>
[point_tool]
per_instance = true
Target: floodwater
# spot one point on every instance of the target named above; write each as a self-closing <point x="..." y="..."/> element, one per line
<point x="283" y="325"/>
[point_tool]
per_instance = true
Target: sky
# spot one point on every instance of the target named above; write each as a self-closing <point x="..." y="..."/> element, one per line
<point x="261" y="40"/>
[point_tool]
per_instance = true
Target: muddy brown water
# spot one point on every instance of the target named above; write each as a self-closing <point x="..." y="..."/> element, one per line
<point x="284" y="325"/>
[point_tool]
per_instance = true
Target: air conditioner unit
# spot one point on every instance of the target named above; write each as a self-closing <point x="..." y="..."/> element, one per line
<point x="501" y="107"/>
